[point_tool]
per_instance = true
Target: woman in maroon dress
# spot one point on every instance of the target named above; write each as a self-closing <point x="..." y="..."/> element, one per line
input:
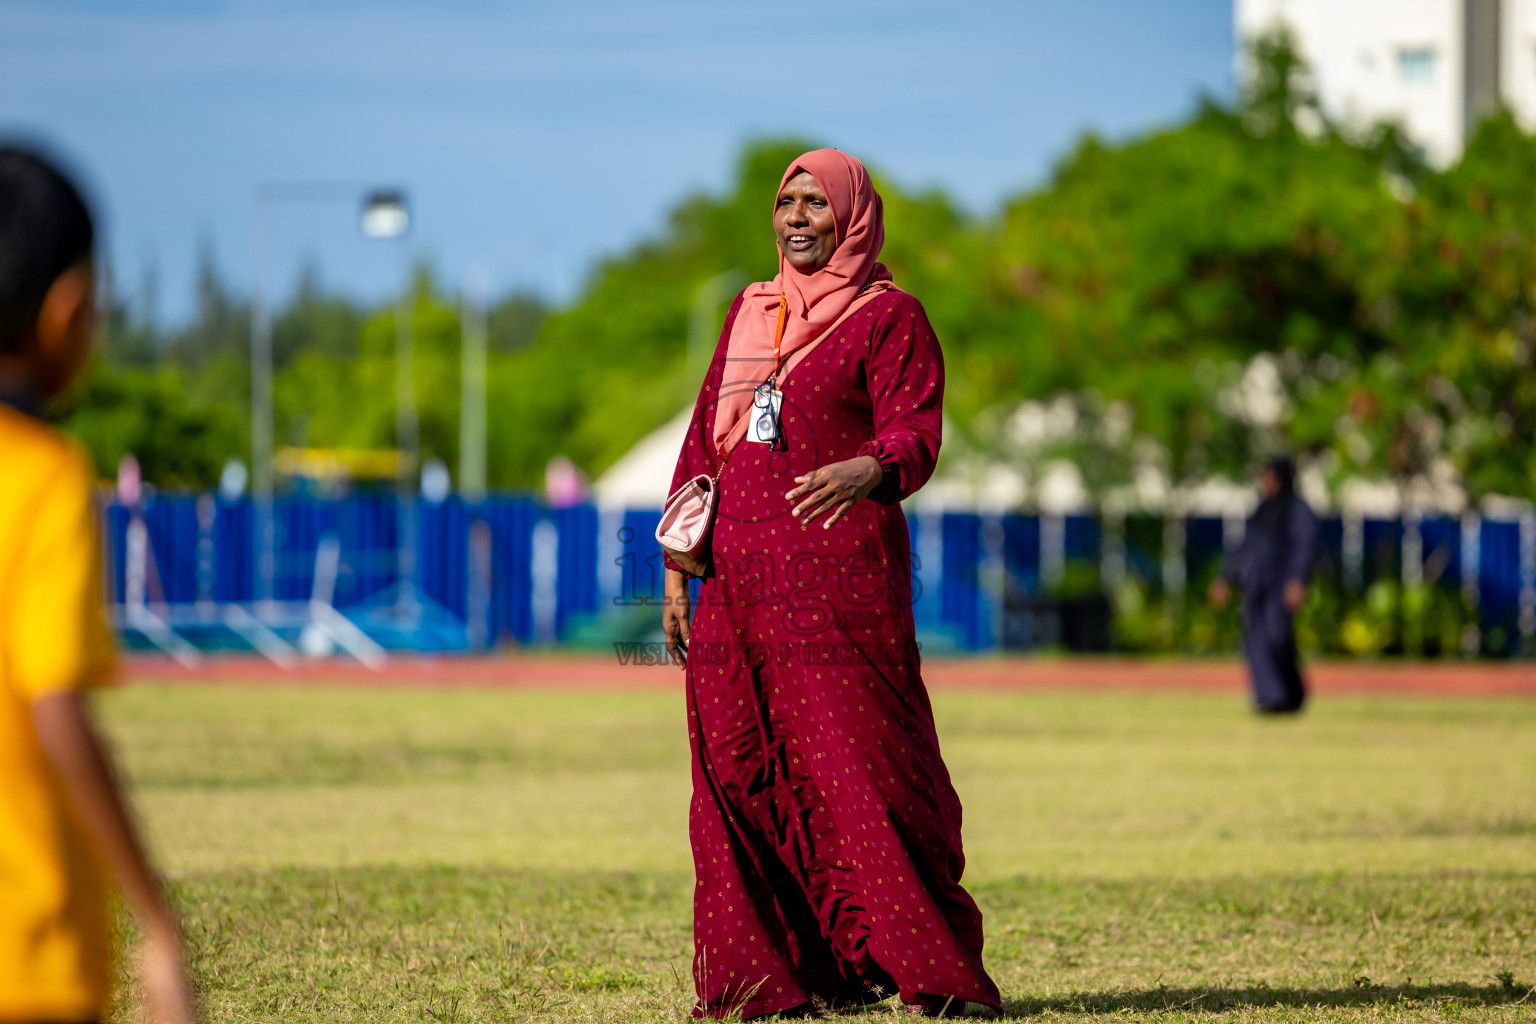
<point x="826" y="833"/>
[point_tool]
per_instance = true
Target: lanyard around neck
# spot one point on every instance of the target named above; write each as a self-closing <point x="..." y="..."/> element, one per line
<point x="778" y="365"/>
<point x="778" y="334"/>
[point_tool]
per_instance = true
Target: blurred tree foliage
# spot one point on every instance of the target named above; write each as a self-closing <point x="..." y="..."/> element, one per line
<point x="1145" y="282"/>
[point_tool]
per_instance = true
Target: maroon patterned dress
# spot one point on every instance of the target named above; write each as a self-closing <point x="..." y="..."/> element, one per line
<point x="826" y="833"/>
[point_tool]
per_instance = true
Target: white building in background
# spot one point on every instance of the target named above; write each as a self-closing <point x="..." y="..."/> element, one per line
<point x="1434" y="66"/>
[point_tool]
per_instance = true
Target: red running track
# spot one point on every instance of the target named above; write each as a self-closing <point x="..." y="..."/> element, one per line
<point x="600" y="672"/>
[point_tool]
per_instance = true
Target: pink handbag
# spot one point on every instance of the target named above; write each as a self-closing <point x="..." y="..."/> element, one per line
<point x="685" y="522"/>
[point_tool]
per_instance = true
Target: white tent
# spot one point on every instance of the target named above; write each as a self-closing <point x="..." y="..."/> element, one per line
<point x="642" y="476"/>
<point x="972" y="481"/>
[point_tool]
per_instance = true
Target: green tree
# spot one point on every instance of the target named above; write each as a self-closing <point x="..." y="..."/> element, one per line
<point x="179" y="438"/>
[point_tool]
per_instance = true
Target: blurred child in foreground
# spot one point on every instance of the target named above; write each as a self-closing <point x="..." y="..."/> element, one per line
<point x="1273" y="565"/>
<point x="63" y="824"/>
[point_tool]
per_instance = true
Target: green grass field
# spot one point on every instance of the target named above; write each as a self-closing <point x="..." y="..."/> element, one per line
<point x="343" y="854"/>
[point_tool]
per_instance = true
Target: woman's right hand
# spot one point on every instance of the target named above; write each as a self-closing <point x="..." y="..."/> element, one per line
<point x="676" y="607"/>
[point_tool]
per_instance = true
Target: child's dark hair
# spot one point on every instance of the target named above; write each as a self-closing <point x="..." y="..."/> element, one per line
<point x="45" y="229"/>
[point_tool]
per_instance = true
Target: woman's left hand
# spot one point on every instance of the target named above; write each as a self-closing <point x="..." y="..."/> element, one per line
<point x="835" y="488"/>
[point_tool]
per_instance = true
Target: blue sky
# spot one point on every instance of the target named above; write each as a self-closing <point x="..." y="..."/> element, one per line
<point x="536" y="137"/>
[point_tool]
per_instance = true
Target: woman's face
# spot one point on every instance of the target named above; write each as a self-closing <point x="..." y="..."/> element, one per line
<point x="1269" y="482"/>
<point x="804" y="223"/>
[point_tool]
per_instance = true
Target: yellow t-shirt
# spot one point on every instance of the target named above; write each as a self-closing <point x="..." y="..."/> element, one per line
<point x="55" y="955"/>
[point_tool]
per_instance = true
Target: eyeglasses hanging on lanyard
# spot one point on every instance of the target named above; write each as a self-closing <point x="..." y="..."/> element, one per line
<point x="767" y="400"/>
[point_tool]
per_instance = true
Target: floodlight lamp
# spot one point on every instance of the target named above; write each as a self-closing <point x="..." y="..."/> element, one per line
<point x="385" y="214"/>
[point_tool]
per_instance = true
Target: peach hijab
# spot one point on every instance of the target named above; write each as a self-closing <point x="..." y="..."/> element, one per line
<point x="816" y="303"/>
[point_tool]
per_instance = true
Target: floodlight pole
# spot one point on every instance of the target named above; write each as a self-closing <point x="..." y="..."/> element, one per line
<point x="475" y="328"/>
<point x="261" y="404"/>
<point x="407" y="437"/>
<point x="406" y="423"/>
<point x="474" y="341"/>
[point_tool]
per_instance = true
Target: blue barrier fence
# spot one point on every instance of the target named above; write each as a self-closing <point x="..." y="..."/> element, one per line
<point x="606" y="567"/>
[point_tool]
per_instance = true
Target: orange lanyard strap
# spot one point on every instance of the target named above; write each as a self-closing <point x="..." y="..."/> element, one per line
<point x="778" y="335"/>
<point x="778" y="364"/>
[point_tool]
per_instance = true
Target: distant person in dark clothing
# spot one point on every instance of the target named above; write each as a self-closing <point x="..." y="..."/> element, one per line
<point x="1273" y="565"/>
